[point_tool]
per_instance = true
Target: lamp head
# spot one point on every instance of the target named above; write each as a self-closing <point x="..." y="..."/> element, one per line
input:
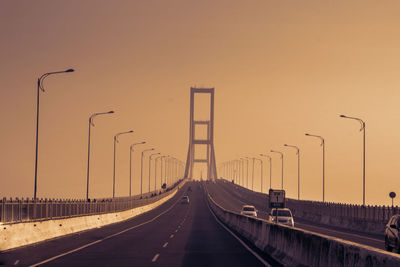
<point x="144" y="142"/>
<point x="285" y="145"/>
<point x="307" y="134"/>
<point x="130" y="131"/>
<point x="110" y="112"/>
<point x="70" y="70"/>
<point x="342" y="116"/>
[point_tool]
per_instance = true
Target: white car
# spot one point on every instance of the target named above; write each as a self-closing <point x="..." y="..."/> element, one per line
<point x="185" y="200"/>
<point x="284" y="216"/>
<point x="248" y="210"/>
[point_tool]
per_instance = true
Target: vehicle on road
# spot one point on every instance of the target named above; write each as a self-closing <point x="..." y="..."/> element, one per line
<point x="283" y="216"/>
<point x="185" y="200"/>
<point x="248" y="210"/>
<point x="392" y="239"/>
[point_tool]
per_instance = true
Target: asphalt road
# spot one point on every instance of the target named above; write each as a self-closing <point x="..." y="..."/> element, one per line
<point x="223" y="193"/>
<point x="174" y="234"/>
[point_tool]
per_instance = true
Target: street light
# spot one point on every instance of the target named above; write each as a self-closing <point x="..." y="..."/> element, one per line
<point x="252" y="176"/>
<point x="155" y="171"/>
<point x="164" y="170"/>
<point x="261" y="172"/>
<point x="247" y="173"/>
<point x="270" y="168"/>
<point x="362" y="129"/>
<point x="141" y="171"/>
<point x="150" y="166"/>
<point x="130" y="165"/>
<point x="115" y="145"/>
<point x="282" y="164"/>
<point x="40" y="87"/>
<point x="323" y="163"/>
<point x="91" y="118"/>
<point x="298" y="168"/>
<point x="242" y="164"/>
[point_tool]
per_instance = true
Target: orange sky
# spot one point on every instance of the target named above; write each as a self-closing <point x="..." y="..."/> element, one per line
<point x="279" y="68"/>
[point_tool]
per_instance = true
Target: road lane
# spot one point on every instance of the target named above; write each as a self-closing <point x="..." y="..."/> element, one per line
<point x="174" y="234"/>
<point x="35" y="253"/>
<point x="227" y="197"/>
<point x="202" y="241"/>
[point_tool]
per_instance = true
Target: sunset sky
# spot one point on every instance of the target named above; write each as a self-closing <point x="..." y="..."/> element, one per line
<point x="279" y="69"/>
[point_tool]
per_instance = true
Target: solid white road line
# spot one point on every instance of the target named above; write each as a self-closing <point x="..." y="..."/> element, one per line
<point x="165" y="245"/>
<point x="16" y="262"/>
<point x="240" y="240"/>
<point x="155" y="257"/>
<point x="107" y="237"/>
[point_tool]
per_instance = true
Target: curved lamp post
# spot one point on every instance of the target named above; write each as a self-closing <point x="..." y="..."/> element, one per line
<point x="298" y="168"/>
<point x="115" y="145"/>
<point x="261" y="162"/>
<point x="155" y="171"/>
<point x="91" y="118"/>
<point x="362" y="129"/>
<point x="270" y="168"/>
<point x="141" y="171"/>
<point x="41" y="88"/>
<point x="282" y="164"/>
<point x="323" y="163"/>
<point x="130" y="165"/>
<point x="165" y="169"/>
<point x="150" y="166"/>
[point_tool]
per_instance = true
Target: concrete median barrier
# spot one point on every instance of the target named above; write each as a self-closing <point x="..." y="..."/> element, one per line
<point x="21" y="234"/>
<point x="297" y="247"/>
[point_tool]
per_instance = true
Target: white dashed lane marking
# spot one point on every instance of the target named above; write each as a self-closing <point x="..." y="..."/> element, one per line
<point x="155" y="257"/>
<point x="16" y="262"/>
<point x="165" y="245"/>
<point x="171" y="236"/>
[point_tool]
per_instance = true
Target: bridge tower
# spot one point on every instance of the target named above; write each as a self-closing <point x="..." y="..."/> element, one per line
<point x="209" y="141"/>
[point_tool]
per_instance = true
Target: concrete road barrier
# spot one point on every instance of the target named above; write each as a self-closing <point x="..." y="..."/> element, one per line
<point x="21" y="234"/>
<point x="297" y="247"/>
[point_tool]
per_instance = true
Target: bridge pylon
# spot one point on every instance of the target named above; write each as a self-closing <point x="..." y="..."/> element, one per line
<point x="209" y="141"/>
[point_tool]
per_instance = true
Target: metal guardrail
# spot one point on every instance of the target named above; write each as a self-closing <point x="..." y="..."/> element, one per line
<point x="356" y="212"/>
<point x="24" y="210"/>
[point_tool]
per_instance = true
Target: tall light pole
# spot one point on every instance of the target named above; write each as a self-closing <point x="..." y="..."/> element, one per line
<point x="88" y="160"/>
<point x="362" y="129"/>
<point x="298" y="168"/>
<point x="164" y="170"/>
<point x="41" y="88"/>
<point x="252" y="176"/>
<point x="242" y="163"/>
<point x="261" y="162"/>
<point x="247" y="173"/>
<point x="141" y="171"/>
<point x="130" y="165"/>
<point x="323" y="163"/>
<point x="270" y="169"/>
<point x="115" y="148"/>
<point x="150" y="166"/>
<point x="155" y="172"/>
<point x="236" y="167"/>
<point x="282" y="164"/>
